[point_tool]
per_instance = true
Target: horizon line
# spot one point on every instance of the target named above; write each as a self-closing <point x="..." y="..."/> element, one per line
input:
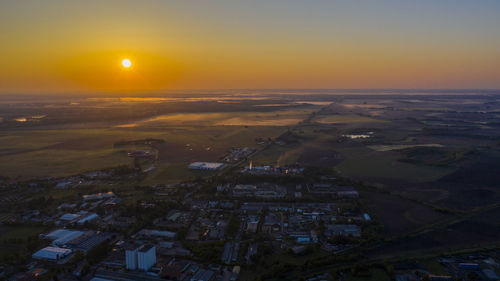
<point x="171" y="91"/>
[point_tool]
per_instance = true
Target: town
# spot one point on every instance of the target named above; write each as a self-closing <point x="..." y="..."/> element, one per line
<point x="217" y="228"/>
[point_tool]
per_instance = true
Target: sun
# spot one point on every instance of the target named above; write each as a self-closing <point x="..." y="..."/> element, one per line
<point x="126" y="63"/>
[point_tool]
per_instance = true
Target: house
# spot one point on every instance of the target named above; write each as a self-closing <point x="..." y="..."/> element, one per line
<point x="343" y="230"/>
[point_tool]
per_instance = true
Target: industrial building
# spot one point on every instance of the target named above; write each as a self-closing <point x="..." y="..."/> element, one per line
<point x="89" y="241"/>
<point x="80" y="218"/>
<point x="210" y="166"/>
<point x="51" y="253"/>
<point x="60" y="237"/>
<point x="142" y="257"/>
<point x="88" y="218"/>
<point x="76" y="240"/>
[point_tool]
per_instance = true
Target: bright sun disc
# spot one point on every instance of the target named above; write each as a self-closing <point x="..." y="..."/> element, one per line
<point x="126" y="63"/>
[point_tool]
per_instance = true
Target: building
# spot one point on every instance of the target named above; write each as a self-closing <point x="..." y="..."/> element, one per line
<point x="142" y="257"/>
<point x="348" y="194"/>
<point x="60" y="237"/>
<point x="88" y="218"/>
<point x="51" y="253"/>
<point x="210" y="166"/>
<point x="203" y="275"/>
<point x="88" y="241"/>
<point x="155" y="233"/>
<point x="131" y="258"/>
<point x="367" y="217"/>
<point x="244" y="190"/>
<point x="98" y="196"/>
<point x="69" y="217"/>
<point x="343" y="229"/>
<point x="146" y="257"/>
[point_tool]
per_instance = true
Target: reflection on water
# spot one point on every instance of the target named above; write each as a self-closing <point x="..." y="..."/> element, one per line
<point x="283" y="118"/>
<point x="31" y="118"/>
<point x="358" y="136"/>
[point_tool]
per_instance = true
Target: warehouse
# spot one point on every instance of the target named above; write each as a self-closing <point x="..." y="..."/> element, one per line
<point x="88" y="218"/>
<point x="210" y="166"/>
<point x="62" y="236"/>
<point x="51" y="253"/>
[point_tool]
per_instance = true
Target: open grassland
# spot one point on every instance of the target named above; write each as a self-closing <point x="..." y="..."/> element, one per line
<point x="202" y="144"/>
<point x="13" y="239"/>
<point x="398" y="215"/>
<point x="23" y="232"/>
<point x="365" y="163"/>
<point x="272" y="261"/>
<point x="67" y="152"/>
<point x="51" y="162"/>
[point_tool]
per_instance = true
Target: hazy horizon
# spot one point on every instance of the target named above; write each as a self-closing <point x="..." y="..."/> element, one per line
<point x="57" y="46"/>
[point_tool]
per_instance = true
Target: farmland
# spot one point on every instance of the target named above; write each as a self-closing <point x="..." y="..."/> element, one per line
<point x="425" y="167"/>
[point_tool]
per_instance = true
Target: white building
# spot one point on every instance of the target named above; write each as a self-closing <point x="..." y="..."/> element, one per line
<point x="143" y="257"/>
<point x="211" y="166"/>
<point x="131" y="258"/>
<point x="51" y="253"/>
<point x="146" y="257"/>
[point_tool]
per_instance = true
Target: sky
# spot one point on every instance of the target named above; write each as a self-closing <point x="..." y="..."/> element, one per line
<point x="70" y="46"/>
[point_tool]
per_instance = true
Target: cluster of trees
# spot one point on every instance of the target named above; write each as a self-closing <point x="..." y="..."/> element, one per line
<point x="209" y="252"/>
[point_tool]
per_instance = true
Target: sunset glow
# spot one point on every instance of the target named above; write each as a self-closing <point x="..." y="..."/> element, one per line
<point x="51" y="46"/>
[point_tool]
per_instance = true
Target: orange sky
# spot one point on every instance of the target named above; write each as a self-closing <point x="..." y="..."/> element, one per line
<point x="77" y="46"/>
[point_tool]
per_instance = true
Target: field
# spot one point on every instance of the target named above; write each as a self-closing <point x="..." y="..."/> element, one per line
<point x="67" y="152"/>
<point x="401" y="146"/>
<point x="366" y="164"/>
<point x="13" y="239"/>
<point x="428" y="162"/>
<point x="347" y="119"/>
<point x="398" y="215"/>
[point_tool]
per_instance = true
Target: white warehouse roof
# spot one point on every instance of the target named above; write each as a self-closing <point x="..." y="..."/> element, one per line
<point x="206" y="165"/>
<point x="88" y="218"/>
<point x="51" y="253"/>
<point x="69" y="217"/>
<point x="63" y="236"/>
